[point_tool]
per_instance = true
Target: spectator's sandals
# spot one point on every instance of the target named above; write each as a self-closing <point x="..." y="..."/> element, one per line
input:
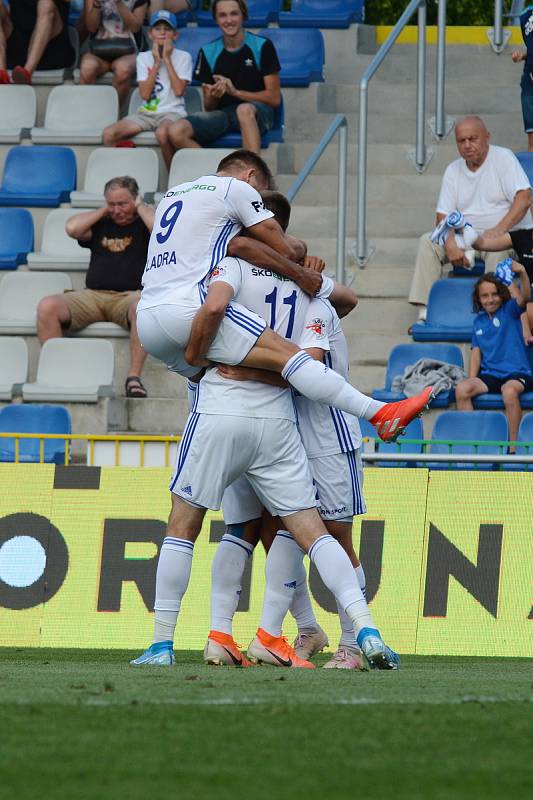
<point x="134" y="387"/>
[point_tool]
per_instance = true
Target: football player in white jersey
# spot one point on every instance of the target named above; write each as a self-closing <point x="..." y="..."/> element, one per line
<point x="193" y="225"/>
<point x="247" y="428"/>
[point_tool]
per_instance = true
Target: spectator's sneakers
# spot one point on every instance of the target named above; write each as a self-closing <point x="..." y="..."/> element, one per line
<point x="4" y="76"/>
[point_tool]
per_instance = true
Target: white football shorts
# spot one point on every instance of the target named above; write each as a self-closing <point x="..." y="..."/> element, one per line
<point x="217" y="449"/>
<point x="240" y="503"/>
<point x="164" y="332"/>
<point x="339" y="482"/>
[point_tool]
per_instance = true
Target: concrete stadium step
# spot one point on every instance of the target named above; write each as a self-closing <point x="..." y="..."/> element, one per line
<point x="382" y="281"/>
<point x="398" y="222"/>
<point x="322" y="190"/>
<point x="366" y="378"/>
<point x="157" y="415"/>
<point x="389" y="315"/>
<point x="370" y="349"/>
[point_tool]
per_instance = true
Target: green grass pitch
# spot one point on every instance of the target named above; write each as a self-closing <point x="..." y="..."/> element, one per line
<point x="84" y="724"/>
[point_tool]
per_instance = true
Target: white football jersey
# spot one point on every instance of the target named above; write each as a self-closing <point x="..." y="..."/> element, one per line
<point x="325" y="430"/>
<point x="193" y="224"/>
<point x="284" y="306"/>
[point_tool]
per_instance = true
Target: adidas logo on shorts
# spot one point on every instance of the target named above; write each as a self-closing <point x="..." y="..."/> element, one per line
<point x="187" y="490"/>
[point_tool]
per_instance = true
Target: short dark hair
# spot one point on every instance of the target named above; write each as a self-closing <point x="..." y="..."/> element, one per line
<point x="279" y="205"/>
<point x="123" y="182"/>
<point x="240" y="159"/>
<point x="243" y="8"/>
<point x="489" y="277"/>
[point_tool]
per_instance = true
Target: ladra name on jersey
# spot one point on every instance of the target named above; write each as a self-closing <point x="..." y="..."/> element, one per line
<point x="161" y="260"/>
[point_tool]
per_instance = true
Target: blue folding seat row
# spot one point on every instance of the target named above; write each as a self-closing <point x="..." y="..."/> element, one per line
<point x="18" y="418"/>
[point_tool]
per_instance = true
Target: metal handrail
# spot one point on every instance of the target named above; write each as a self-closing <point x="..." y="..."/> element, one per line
<point x="362" y="250"/>
<point x="339" y="125"/>
<point x="498" y="37"/>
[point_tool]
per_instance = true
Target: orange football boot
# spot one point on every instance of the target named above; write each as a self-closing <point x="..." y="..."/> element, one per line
<point x="391" y="420"/>
<point x="275" y="650"/>
<point x="222" y="649"/>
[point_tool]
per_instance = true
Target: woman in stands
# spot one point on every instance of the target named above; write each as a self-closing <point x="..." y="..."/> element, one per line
<point x="498" y="362"/>
<point x="112" y="47"/>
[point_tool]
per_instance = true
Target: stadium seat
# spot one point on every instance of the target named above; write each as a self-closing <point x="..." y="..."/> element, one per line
<point x="317" y="14"/>
<point x="18" y="111"/>
<point x="525" y="434"/>
<point x="404" y="355"/>
<point x="477" y="270"/>
<point x="413" y="431"/>
<point x="20" y="293"/>
<point x="526" y="160"/>
<point x="72" y="370"/>
<point x="187" y="165"/>
<point x="34" y="419"/>
<point x="493" y="400"/>
<point x="58" y="250"/>
<point x="13" y="365"/>
<point x="450" y="315"/>
<point x="488" y="426"/>
<point x="38" y="176"/>
<point x="260" y="13"/>
<point x="105" y="163"/>
<point x="276" y="134"/>
<point x="193" y="104"/>
<point x="90" y="109"/>
<point x="16" y="236"/>
<point x="301" y="54"/>
<point x="192" y="39"/>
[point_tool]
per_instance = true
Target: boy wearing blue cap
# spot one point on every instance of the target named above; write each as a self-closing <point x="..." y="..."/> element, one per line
<point x="163" y="74"/>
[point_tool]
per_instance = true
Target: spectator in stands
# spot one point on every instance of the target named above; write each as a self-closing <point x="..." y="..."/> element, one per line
<point x="240" y="84"/>
<point x="498" y="362"/>
<point x="33" y="35"/>
<point x="176" y="6"/>
<point x="163" y="75"/>
<point x="117" y="236"/>
<point x="526" y="84"/>
<point x="488" y="185"/>
<point x="112" y="47"/>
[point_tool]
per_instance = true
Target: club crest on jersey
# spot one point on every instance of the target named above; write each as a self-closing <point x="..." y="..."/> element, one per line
<point x="218" y="271"/>
<point x="318" y="326"/>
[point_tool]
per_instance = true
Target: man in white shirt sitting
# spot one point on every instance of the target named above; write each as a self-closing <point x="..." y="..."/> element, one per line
<point x="488" y="185"/>
<point x="163" y="74"/>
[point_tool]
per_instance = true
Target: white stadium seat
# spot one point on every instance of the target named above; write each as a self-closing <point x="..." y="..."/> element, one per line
<point x="105" y="163"/>
<point x="20" y="292"/>
<point x="74" y="371"/>
<point x="13" y="365"/>
<point x="77" y="115"/>
<point x="58" y="250"/>
<point x="18" y="110"/>
<point x="189" y="164"/>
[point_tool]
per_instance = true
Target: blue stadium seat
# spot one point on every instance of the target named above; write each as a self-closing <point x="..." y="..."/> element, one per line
<point x="192" y="39"/>
<point x="20" y="418"/>
<point x="260" y="13"/>
<point x="16" y="236"/>
<point x="318" y="14"/>
<point x="403" y="355"/>
<point x="477" y="270"/>
<point x="301" y="54"/>
<point x="233" y="139"/>
<point x="525" y="434"/>
<point x="526" y="160"/>
<point x="489" y="426"/>
<point x="38" y="176"/>
<point x="413" y="431"/>
<point x="450" y="314"/>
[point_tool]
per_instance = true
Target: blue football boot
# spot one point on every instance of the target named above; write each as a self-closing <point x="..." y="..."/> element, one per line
<point x="159" y="654"/>
<point x="376" y="652"/>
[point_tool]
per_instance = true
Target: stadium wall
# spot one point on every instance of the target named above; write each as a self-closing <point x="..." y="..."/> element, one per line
<point x="447" y="555"/>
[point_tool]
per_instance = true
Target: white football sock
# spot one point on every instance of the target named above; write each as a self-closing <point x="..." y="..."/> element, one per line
<point x="338" y="574"/>
<point x="172" y="579"/>
<point x="282" y="570"/>
<point x="301" y="608"/>
<point x="317" y="382"/>
<point x="226" y="576"/>
<point x="347" y="632"/>
<point x="361" y="577"/>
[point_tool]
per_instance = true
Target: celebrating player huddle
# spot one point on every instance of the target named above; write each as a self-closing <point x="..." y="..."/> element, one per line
<point x="284" y="465"/>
